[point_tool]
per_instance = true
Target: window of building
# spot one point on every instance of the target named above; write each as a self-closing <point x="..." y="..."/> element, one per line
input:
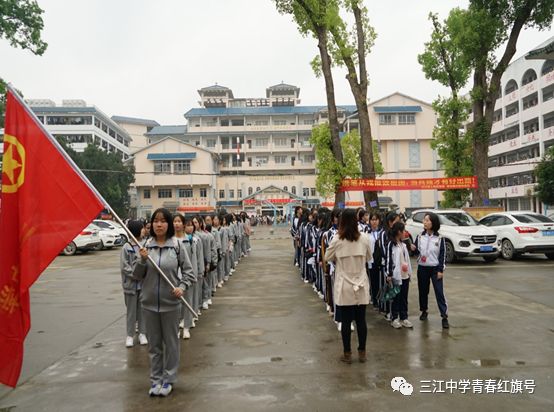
<point x="263" y="142"/>
<point x="258" y="189"/>
<point x="305" y="191"/>
<point x="146" y="193"/>
<point x="231" y="193"/>
<point x="164" y="193"/>
<point x="181" y="167"/>
<point x="261" y="160"/>
<point x="261" y="123"/>
<point x="185" y="193"/>
<point x="224" y="122"/>
<point x="415" y="198"/>
<point x="513" y="204"/>
<point x="203" y="193"/>
<point x="406" y="118"/>
<point x="308" y="121"/>
<point x="312" y="191"/>
<point x="162" y="167"/>
<point x="280" y="159"/>
<point x="111" y="148"/>
<point x="250" y="190"/>
<point x="279" y="122"/>
<point x="387" y="119"/>
<point x="414" y="155"/>
<point x="293" y="190"/>
<point x="286" y="188"/>
<point x="309" y="158"/>
<point x="210" y="142"/>
<point x="71" y="120"/>
<point x="281" y="141"/>
<point x="304" y="141"/>
<point x="379" y="147"/>
<point x="221" y="194"/>
<point x="237" y="122"/>
<point x="239" y="193"/>
<point x="104" y="144"/>
<point x="211" y="123"/>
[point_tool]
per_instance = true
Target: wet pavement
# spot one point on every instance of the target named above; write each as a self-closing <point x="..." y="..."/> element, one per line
<point x="268" y="344"/>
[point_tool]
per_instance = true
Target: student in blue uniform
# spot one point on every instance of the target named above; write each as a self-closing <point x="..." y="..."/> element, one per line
<point x="431" y="250"/>
<point x="375" y="268"/>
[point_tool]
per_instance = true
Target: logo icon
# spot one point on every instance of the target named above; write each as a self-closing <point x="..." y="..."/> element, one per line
<point x="399" y="384"/>
<point x="13" y="164"/>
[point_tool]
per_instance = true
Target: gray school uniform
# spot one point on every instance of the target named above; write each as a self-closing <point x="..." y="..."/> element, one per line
<point x="216" y="232"/>
<point x="190" y="247"/>
<point x="210" y="259"/>
<point x="161" y="308"/>
<point x="200" y="271"/>
<point x="131" y="289"/>
<point x="225" y="245"/>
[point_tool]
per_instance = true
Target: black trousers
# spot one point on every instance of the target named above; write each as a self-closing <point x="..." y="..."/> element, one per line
<point x="400" y="302"/>
<point x="353" y="313"/>
<point x="374" y="275"/>
<point x="425" y="275"/>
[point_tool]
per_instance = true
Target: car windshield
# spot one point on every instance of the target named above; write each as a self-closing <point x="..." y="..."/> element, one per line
<point x="457" y="219"/>
<point x="532" y="218"/>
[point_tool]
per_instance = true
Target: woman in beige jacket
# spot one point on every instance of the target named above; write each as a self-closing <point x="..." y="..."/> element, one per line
<point x="350" y="251"/>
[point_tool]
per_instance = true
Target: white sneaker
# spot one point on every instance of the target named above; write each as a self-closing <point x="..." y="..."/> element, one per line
<point x="166" y="389"/>
<point x="186" y="333"/>
<point x="306" y="280"/>
<point x="407" y="324"/>
<point x="226" y="279"/>
<point x="220" y="285"/>
<point x="327" y="308"/>
<point x="232" y="270"/>
<point x="339" y="324"/>
<point x="205" y="305"/>
<point x="352" y="327"/>
<point x="142" y="339"/>
<point x="396" y="324"/>
<point x="155" y="389"/>
<point x="194" y="323"/>
<point x="236" y="263"/>
<point x="129" y="342"/>
<point x="388" y="316"/>
<point x="199" y="312"/>
<point x="321" y="296"/>
<point x="210" y="302"/>
<point x="297" y="265"/>
<point x="181" y="324"/>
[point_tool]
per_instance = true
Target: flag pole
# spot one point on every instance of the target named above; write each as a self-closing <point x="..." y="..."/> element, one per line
<point x="77" y="170"/>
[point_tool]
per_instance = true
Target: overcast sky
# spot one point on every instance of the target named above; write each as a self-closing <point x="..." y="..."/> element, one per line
<point x="147" y="59"/>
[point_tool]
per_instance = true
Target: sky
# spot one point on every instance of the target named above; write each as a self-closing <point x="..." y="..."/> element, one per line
<point x="148" y="59"/>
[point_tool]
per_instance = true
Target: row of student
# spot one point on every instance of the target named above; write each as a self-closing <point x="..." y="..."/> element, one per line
<point x="351" y="259"/>
<point x="197" y="255"/>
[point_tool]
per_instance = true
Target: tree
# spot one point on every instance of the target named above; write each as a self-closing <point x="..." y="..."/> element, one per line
<point x="545" y="178"/>
<point x="109" y="175"/>
<point x="478" y="33"/>
<point x="350" y="47"/>
<point x="330" y="172"/>
<point x="444" y="62"/>
<point x="21" y="24"/>
<point x="313" y="18"/>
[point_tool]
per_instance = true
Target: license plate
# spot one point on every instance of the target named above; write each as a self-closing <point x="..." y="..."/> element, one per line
<point x="486" y="248"/>
<point x="548" y="232"/>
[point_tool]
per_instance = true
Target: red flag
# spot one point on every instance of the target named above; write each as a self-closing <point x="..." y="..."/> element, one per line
<point x="45" y="204"/>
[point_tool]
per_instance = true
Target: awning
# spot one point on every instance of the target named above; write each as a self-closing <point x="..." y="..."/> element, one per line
<point x="171" y="156"/>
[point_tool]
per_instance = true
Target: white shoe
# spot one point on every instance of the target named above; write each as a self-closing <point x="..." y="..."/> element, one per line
<point x="406" y="323"/>
<point x="232" y="270"/>
<point x="226" y="279"/>
<point x="236" y="263"/>
<point x="210" y="302"/>
<point x="339" y="324"/>
<point x="155" y="390"/>
<point x="297" y="265"/>
<point x="352" y="327"/>
<point x="194" y="323"/>
<point x="328" y="308"/>
<point x="142" y="339"/>
<point x="306" y="280"/>
<point x="181" y="324"/>
<point x="166" y="389"/>
<point x="396" y="324"/>
<point x="220" y="285"/>
<point x="186" y="333"/>
<point x="129" y="342"/>
<point x="321" y="296"/>
<point x="205" y="305"/>
<point x="388" y="316"/>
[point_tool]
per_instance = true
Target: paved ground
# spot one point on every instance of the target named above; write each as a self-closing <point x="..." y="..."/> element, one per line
<point x="267" y="343"/>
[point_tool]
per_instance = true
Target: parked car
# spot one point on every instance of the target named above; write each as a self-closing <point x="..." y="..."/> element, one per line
<point x="464" y="236"/>
<point x="116" y="229"/>
<point x="522" y="232"/>
<point x="108" y="238"/>
<point x="88" y="239"/>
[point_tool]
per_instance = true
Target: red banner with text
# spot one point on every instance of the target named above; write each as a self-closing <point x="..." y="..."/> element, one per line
<point x="439" y="183"/>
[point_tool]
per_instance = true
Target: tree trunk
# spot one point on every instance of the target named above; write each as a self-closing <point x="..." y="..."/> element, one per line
<point x="481" y="132"/>
<point x="368" y="166"/>
<point x="331" y="105"/>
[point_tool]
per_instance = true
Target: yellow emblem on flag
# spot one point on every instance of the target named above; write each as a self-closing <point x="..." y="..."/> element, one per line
<point x="13" y="164"/>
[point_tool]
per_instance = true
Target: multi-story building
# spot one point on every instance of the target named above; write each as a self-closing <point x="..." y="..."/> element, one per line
<point x="403" y="127"/>
<point x="175" y="175"/>
<point x="137" y="129"/>
<point x="263" y="143"/>
<point x="522" y="131"/>
<point x="80" y="125"/>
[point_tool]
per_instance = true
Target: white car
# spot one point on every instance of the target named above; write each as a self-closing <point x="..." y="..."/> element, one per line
<point x="116" y="229"/>
<point x="522" y="232"/>
<point x="108" y="238"/>
<point x="88" y="239"/>
<point x="464" y="236"/>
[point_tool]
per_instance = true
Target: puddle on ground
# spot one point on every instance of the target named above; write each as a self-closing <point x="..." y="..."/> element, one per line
<point x="490" y="363"/>
<point x="254" y="361"/>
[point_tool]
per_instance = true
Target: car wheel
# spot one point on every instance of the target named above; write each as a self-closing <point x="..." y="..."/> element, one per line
<point x="550" y="255"/>
<point x="450" y="253"/>
<point x="490" y="259"/>
<point x="124" y="238"/>
<point x="99" y="246"/>
<point x="508" y="251"/>
<point x="70" y="249"/>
